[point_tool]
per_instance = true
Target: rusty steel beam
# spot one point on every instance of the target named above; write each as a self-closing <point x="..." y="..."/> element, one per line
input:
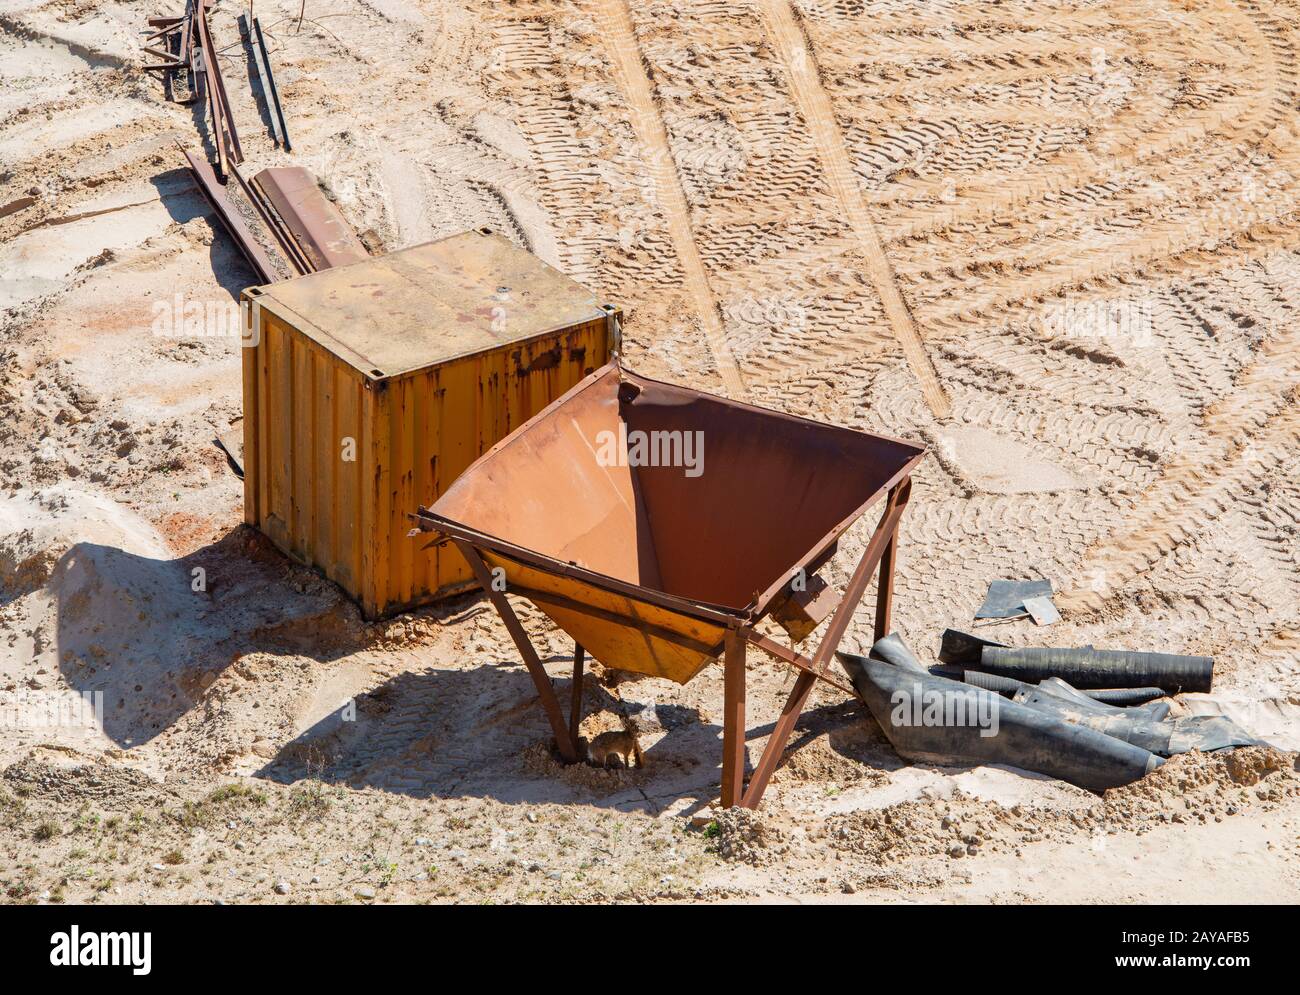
<point x="283" y="236"/>
<point x="173" y="32"/>
<point x="224" y="134"/>
<point x="575" y="694"/>
<point x="322" y="234"/>
<point x="793" y="708"/>
<point x="263" y="73"/>
<point x="733" y="720"/>
<point x="871" y="556"/>
<point x="231" y="219"/>
<point x="206" y="94"/>
<point x="884" y="535"/>
<point x="198" y="86"/>
<point x="796" y="660"/>
<point x="187" y="36"/>
<point x="531" y="660"/>
<point x="215" y="71"/>
<point x="163" y="33"/>
<point x="270" y="92"/>
<point x="885" y="590"/>
<point x="264" y="211"/>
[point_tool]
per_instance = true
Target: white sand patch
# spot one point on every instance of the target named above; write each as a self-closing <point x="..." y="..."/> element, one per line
<point x="102" y="606"/>
<point x="98" y="39"/>
<point x="1000" y="465"/>
<point x="39" y="527"/>
<point x="25" y="59"/>
<point x="40" y="261"/>
<point x="995" y="783"/>
<point x="41" y="134"/>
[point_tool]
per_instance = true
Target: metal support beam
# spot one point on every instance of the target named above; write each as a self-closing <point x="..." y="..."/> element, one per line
<point x="531" y="660"/>
<point x="885" y="590"/>
<point x="801" y="663"/>
<point x="882" y="538"/>
<point x="575" y="697"/>
<point x="871" y="556"/>
<point x="781" y="733"/>
<point x="733" y="720"/>
<point x="270" y="92"/>
<point x="233" y="221"/>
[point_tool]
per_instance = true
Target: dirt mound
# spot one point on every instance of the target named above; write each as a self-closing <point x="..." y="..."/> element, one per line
<point x="1193" y="787"/>
<point x="958" y="828"/>
<point x="1205" y="785"/>
<point x="50" y="776"/>
<point x="540" y="760"/>
<point x="1252" y="765"/>
<point x="37" y="528"/>
<point x="747" y="836"/>
<point x="821" y="762"/>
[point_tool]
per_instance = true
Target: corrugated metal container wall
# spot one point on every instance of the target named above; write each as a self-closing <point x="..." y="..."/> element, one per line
<point x="439" y="422"/>
<point x="337" y="453"/>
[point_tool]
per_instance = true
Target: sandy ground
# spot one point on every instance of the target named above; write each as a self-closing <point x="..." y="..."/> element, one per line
<point x="1056" y="242"/>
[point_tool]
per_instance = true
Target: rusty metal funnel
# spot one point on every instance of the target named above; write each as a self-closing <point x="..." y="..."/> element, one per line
<point x="647" y="519"/>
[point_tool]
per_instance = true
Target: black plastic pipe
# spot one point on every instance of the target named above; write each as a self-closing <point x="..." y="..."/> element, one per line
<point x="1126" y="696"/>
<point x="1093" y="668"/>
<point x="1121" y="697"/>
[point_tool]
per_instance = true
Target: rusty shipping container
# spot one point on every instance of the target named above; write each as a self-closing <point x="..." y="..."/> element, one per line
<point x="369" y="387"/>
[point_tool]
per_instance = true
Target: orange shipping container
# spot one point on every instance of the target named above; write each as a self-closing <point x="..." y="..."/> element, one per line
<point x="368" y="388"/>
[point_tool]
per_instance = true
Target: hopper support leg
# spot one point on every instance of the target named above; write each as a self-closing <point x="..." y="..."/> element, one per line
<point x="531" y="660"/>
<point x="879" y="551"/>
<point x="885" y="591"/>
<point x="575" y="695"/>
<point x="733" y="720"/>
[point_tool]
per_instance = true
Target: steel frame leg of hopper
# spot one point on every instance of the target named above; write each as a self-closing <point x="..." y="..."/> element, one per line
<point x="885" y="590"/>
<point x="733" y="719"/>
<point x="575" y="695"/>
<point x="532" y="661"/>
<point x="881" y="545"/>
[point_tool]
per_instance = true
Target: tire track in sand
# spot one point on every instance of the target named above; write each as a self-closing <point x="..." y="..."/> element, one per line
<point x="625" y="56"/>
<point x="814" y="104"/>
<point x="1252" y="430"/>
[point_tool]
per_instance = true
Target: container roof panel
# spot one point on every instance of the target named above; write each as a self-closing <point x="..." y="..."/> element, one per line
<point x="431" y="303"/>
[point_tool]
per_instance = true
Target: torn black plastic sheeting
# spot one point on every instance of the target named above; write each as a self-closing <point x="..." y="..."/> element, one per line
<point x="1026" y="738"/>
